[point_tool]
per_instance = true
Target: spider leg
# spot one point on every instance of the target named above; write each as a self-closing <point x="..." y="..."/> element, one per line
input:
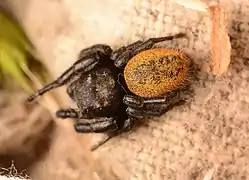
<point x="153" y="110"/>
<point x="96" y="125"/>
<point x="139" y="107"/>
<point x="126" y="54"/>
<point x="104" y="140"/>
<point x="75" y="113"/>
<point x="128" y="125"/>
<point x="88" y="61"/>
<point x="140" y="113"/>
<point x="121" y="50"/>
<point x="138" y="102"/>
<point x="105" y="49"/>
<point x="135" y="113"/>
<point x="91" y="124"/>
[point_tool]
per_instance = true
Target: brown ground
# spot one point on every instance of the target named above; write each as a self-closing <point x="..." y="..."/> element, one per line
<point x="208" y="135"/>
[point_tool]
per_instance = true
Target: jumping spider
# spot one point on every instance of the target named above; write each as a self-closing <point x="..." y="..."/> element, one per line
<point x="105" y="102"/>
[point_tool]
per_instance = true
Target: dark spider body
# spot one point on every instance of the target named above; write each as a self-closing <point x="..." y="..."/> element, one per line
<point x="98" y="94"/>
<point x="104" y="101"/>
<point x="98" y="91"/>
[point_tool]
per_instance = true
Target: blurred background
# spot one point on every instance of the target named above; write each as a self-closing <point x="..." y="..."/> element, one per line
<point x="18" y="68"/>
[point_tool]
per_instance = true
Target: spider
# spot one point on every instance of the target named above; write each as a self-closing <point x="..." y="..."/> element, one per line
<point x="115" y="89"/>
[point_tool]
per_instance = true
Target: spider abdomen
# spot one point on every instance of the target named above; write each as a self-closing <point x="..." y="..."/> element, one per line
<point x="154" y="72"/>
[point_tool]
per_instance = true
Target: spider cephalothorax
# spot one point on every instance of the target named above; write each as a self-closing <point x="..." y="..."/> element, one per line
<point x="105" y="103"/>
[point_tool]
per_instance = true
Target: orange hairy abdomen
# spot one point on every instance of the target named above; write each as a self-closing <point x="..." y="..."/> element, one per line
<point x="155" y="72"/>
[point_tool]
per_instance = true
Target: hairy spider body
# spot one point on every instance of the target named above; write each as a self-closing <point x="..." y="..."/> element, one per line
<point x="104" y="101"/>
<point x="97" y="91"/>
<point x="154" y="72"/>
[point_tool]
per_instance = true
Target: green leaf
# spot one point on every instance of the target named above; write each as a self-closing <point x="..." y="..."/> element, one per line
<point x="14" y="48"/>
<point x="11" y="60"/>
<point x="11" y="49"/>
<point x="11" y="32"/>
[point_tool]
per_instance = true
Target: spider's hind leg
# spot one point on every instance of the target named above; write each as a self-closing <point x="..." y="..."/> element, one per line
<point x="105" y="49"/>
<point x="139" y="107"/>
<point x="121" y="50"/>
<point x="124" y="54"/>
<point x="89" y="58"/>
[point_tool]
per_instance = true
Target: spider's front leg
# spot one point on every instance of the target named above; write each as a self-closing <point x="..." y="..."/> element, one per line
<point x="122" y="55"/>
<point x="87" y="122"/>
<point x="90" y="123"/>
<point x="96" y="125"/>
<point x="105" y="125"/>
<point x="75" y="113"/>
<point x="88" y="59"/>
